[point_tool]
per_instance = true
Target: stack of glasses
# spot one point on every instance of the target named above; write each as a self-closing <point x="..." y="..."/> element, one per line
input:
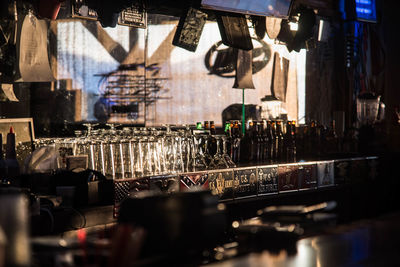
<point x="140" y="152"/>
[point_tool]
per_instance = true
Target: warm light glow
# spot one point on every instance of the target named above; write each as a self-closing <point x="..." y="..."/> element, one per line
<point x="321" y="28"/>
<point x="293" y="26"/>
<point x="301" y="86"/>
<point x="221" y="206"/>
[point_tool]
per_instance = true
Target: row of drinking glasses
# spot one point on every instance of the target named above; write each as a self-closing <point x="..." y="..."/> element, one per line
<point x="139" y="152"/>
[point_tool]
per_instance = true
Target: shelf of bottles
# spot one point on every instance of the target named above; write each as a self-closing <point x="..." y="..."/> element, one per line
<point x="271" y="157"/>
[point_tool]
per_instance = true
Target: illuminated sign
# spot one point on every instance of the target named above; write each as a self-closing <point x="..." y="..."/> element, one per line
<point x="365" y="10"/>
<point x="275" y="8"/>
<point x="361" y="10"/>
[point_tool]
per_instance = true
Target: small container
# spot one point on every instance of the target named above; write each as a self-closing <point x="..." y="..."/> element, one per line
<point x="368" y="106"/>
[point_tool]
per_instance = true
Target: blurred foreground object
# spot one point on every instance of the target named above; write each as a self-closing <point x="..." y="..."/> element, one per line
<point x="14" y="221"/>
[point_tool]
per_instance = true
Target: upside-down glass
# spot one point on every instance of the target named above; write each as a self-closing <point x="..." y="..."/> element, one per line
<point x="138" y="152"/>
<point x="199" y="161"/>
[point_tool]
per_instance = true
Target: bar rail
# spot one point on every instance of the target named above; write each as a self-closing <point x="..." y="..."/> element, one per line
<point x="256" y="181"/>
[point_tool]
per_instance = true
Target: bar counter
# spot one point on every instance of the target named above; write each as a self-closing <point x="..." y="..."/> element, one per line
<point x="243" y="190"/>
<point x="258" y="182"/>
<point x="372" y="242"/>
<point x="359" y="236"/>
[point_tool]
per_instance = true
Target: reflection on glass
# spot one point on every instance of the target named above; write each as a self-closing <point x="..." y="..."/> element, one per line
<point x="139" y="152"/>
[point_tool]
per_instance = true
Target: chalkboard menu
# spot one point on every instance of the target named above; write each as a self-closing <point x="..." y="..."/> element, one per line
<point x="81" y="10"/>
<point x="134" y="16"/>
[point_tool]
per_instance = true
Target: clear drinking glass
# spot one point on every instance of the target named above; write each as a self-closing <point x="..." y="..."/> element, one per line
<point x="199" y="161"/>
<point x="169" y="152"/>
<point x="218" y="160"/>
<point x="146" y="156"/>
<point x="109" y="168"/>
<point x="128" y="158"/>
<point x="118" y="159"/>
<point x="137" y="157"/>
<point x="209" y="160"/>
<point x="225" y="155"/>
<point x="98" y="147"/>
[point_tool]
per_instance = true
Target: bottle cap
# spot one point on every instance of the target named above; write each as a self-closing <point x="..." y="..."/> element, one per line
<point x="227" y="126"/>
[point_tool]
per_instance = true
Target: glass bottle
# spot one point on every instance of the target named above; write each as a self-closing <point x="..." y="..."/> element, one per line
<point x="332" y="139"/>
<point x="280" y="154"/>
<point x="11" y="156"/>
<point x="212" y="141"/>
<point x="290" y="142"/>
<point x="246" y="144"/>
<point x="263" y="141"/>
<point x="313" y="141"/>
<point x="206" y="125"/>
<point x="236" y="139"/>
<point x="275" y="141"/>
<point x="2" y="162"/>
<point x="199" y="158"/>
<point x="270" y="143"/>
<point x="259" y="142"/>
<point x="228" y="139"/>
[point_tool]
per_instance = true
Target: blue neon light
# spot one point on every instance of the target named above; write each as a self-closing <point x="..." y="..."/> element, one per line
<point x="363" y="10"/>
<point x="366" y="10"/>
<point x="365" y="2"/>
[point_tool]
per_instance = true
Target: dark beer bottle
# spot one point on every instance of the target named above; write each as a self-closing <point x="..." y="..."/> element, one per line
<point x="264" y="140"/>
<point x="313" y="141"/>
<point x="321" y="137"/>
<point x="3" y="169"/>
<point x="290" y="142"/>
<point x="259" y="142"/>
<point x="11" y="156"/>
<point x="254" y="143"/>
<point x="275" y="142"/>
<point x="332" y="143"/>
<point x="280" y="155"/>
<point x="206" y="125"/>
<point x="246" y="144"/>
<point x="301" y="141"/>
<point x="212" y="141"/>
<point x="236" y="140"/>
<point x="212" y="128"/>
<point x="228" y="134"/>
<point x="270" y="143"/>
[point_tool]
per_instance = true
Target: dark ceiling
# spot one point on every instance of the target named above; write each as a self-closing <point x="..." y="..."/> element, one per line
<point x="106" y="8"/>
